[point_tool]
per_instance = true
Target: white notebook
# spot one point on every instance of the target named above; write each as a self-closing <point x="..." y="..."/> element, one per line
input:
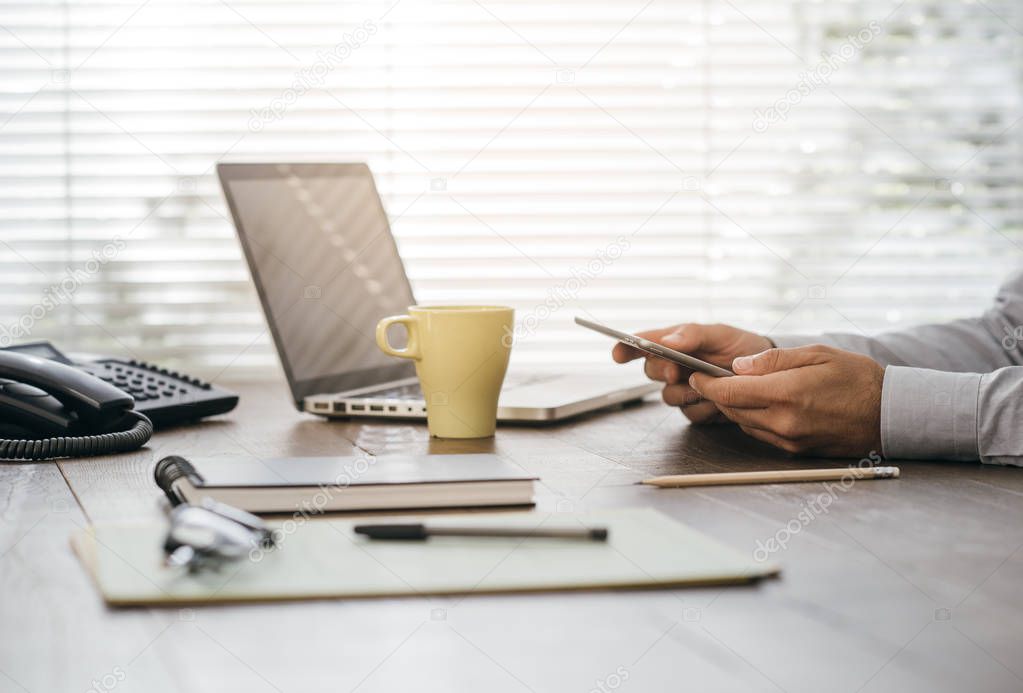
<point x="326" y="484"/>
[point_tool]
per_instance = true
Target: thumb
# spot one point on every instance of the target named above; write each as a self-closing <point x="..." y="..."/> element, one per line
<point x="774" y="360"/>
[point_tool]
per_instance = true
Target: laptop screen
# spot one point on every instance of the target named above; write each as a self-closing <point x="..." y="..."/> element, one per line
<point x="327" y="269"/>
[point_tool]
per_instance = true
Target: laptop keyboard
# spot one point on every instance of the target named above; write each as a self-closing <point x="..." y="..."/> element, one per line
<point x="412" y="391"/>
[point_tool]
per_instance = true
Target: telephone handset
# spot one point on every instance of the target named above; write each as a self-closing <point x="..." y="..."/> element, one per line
<point x="49" y="409"/>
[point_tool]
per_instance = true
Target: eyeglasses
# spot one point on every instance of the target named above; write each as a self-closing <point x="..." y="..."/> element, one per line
<point x="211" y="534"/>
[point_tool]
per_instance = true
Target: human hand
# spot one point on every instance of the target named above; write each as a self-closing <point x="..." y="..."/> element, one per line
<point x="811" y="399"/>
<point x="717" y="344"/>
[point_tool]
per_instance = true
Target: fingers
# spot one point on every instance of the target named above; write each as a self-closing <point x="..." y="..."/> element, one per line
<point x="779" y="427"/>
<point x="703" y="413"/>
<point x="759" y="381"/>
<point x="693" y="406"/>
<point x="688" y="338"/>
<point x="771" y="439"/>
<point x="676" y="337"/>
<point x="622" y="353"/>
<point x="665" y="371"/>
<point x="737" y="390"/>
<point x="781" y="422"/>
<point x="654" y="369"/>
<point x="774" y="360"/>
<point x="680" y="395"/>
<point x="759" y="419"/>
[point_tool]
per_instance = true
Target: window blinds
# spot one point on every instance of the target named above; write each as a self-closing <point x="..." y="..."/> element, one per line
<point x="787" y="166"/>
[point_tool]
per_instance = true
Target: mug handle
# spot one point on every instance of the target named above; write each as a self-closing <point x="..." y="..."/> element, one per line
<point x="411" y="350"/>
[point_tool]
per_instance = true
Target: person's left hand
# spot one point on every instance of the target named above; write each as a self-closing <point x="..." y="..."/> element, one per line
<point x="811" y="399"/>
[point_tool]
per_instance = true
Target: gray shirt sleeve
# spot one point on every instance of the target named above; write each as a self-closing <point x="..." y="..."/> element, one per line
<point x="951" y="391"/>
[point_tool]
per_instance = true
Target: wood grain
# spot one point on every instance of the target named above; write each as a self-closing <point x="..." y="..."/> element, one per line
<point x="909" y="584"/>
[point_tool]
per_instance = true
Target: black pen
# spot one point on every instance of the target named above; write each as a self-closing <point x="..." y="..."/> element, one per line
<point x="419" y="532"/>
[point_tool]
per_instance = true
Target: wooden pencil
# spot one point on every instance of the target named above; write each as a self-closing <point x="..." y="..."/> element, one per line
<point x="786" y="476"/>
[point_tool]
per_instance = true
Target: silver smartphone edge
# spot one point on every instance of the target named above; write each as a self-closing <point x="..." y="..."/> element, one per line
<point x="655" y="349"/>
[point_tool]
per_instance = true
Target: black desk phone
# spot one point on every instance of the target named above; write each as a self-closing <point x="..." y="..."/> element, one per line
<point x="51" y="406"/>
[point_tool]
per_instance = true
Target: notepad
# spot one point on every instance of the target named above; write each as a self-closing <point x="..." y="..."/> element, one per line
<point x="324" y="558"/>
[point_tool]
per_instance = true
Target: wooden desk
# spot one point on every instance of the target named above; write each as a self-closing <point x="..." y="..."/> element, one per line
<point x="914" y="584"/>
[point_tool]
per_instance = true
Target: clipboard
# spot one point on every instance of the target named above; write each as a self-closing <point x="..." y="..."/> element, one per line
<point x="323" y="558"/>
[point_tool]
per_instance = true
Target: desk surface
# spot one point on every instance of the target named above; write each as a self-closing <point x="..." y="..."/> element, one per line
<point x="913" y="584"/>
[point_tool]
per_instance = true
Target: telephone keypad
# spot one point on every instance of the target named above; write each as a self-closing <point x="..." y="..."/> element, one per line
<point x="165" y="396"/>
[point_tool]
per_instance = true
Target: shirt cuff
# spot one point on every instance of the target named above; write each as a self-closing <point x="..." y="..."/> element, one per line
<point x="928" y="414"/>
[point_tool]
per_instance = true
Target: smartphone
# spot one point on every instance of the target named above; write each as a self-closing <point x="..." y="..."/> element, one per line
<point x="645" y="345"/>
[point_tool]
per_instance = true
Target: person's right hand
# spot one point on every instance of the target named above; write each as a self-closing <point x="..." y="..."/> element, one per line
<point x="717" y="344"/>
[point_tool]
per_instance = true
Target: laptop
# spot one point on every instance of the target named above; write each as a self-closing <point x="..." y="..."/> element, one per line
<point x="326" y="267"/>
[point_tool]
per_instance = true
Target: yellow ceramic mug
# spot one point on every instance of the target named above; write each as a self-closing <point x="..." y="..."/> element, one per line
<point x="461" y="355"/>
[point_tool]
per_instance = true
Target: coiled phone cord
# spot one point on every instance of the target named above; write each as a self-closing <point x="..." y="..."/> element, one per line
<point x="80" y="446"/>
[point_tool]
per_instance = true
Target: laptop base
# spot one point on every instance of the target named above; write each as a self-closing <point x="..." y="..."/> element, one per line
<point x="537" y="398"/>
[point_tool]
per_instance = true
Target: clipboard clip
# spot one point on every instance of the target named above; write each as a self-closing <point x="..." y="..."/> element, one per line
<point x="209" y="535"/>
